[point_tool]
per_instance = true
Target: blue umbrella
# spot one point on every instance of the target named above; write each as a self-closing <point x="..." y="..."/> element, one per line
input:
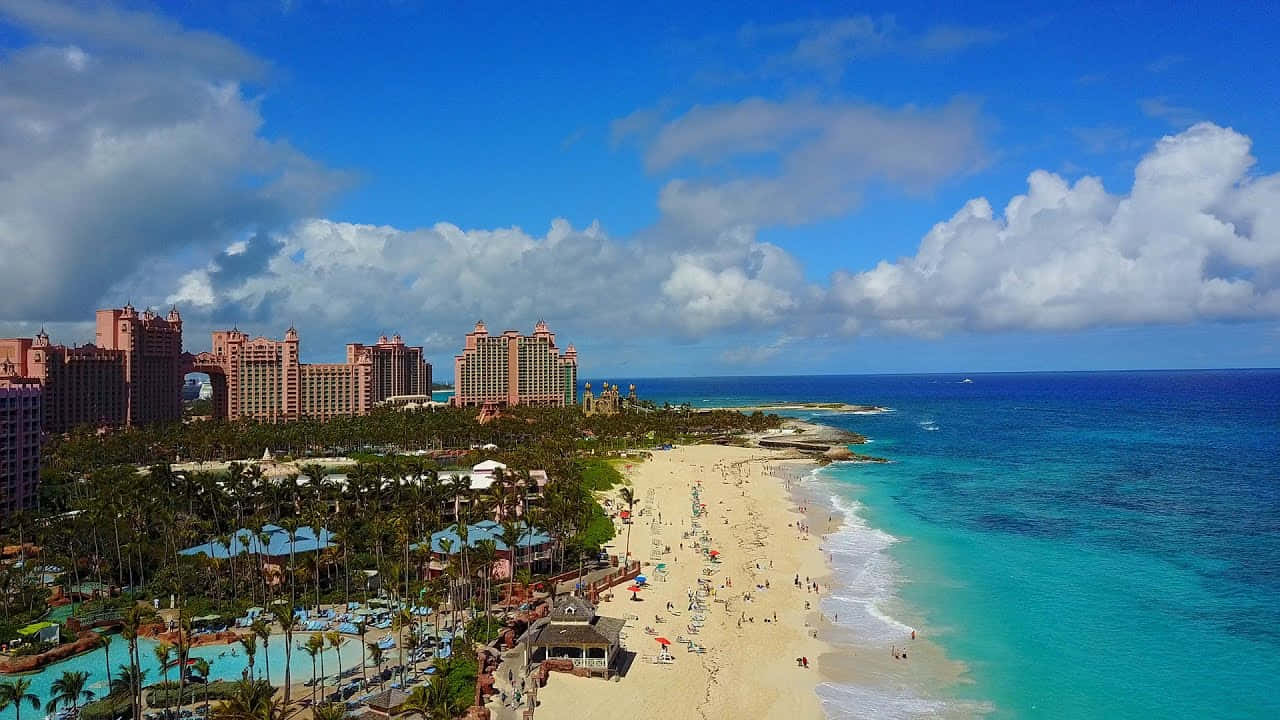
<point x="640" y="579"/>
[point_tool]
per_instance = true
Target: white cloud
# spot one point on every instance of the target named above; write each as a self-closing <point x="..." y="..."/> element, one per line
<point x="1197" y="238"/>
<point x="134" y="146"/>
<point x="342" y="277"/>
<point x="826" y="153"/>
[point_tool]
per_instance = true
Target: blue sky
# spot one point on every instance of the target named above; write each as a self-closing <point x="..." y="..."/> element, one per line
<point x="727" y="188"/>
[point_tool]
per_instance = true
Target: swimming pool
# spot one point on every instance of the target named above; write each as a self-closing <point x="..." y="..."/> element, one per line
<point x="226" y="662"/>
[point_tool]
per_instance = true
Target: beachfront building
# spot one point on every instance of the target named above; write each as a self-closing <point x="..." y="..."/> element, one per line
<point x="398" y="369"/>
<point x="513" y="369"/>
<point x="21" y="418"/>
<point x="574" y="632"/>
<point x="131" y="375"/>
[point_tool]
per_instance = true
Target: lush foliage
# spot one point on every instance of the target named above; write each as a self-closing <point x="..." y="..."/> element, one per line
<point x="166" y="694"/>
<point x="599" y="474"/>
<point x="111" y="707"/>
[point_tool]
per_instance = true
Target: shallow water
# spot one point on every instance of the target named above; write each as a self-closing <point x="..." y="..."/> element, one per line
<point x="223" y="665"/>
<point x="1087" y="544"/>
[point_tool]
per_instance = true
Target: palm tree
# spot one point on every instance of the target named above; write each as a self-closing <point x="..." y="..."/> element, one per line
<point x="335" y="642"/>
<point x="250" y="644"/>
<point x="284" y="616"/>
<point x="15" y="693"/>
<point x="251" y="700"/>
<point x="628" y="496"/>
<point x="262" y="630"/>
<point x="201" y="667"/>
<point x="362" y="628"/>
<point x="375" y="653"/>
<point x="134" y="618"/>
<point x="399" y="622"/>
<point x="433" y="701"/>
<point x="329" y="711"/>
<point x="68" y="690"/>
<point x="127" y="678"/>
<point x="105" y="641"/>
<point x="314" y="646"/>
<point x="164" y="656"/>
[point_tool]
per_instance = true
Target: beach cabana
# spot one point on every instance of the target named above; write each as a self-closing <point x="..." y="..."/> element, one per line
<point x="388" y="703"/>
<point x="574" y="632"/>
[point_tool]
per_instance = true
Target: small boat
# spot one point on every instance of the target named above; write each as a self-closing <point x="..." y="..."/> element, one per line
<point x="966" y="381"/>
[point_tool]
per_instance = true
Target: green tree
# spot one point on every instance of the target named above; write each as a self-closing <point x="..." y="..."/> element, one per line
<point x="313" y="648"/>
<point x="16" y="693"/>
<point x="284" y="616"/>
<point x="69" y="690"/>
<point x="250" y="644"/>
<point x="262" y="629"/>
<point x="628" y="496"/>
<point x="376" y="655"/>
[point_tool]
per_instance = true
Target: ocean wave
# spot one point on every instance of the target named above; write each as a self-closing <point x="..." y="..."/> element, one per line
<point x="929" y="425"/>
<point x="859" y="702"/>
<point x="855" y="702"/>
<point x="865" y="578"/>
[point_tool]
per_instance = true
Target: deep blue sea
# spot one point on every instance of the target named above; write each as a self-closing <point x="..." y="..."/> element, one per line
<point x="1089" y="545"/>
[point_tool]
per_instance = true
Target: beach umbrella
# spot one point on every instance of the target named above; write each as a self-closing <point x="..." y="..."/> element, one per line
<point x="634" y="588"/>
<point x="640" y="579"/>
<point x="714" y="552"/>
<point x="663" y="641"/>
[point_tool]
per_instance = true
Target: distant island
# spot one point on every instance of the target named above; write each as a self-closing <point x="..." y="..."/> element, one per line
<point x="829" y="406"/>
<point x="441" y="386"/>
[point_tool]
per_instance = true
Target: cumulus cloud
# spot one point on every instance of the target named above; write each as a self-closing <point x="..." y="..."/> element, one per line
<point x="343" y="276"/>
<point x="125" y="142"/>
<point x="1196" y="238"/>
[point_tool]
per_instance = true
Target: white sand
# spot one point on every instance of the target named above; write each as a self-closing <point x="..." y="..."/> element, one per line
<point x="748" y="671"/>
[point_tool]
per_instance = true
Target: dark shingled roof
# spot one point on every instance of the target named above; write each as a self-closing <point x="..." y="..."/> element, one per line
<point x="601" y="631"/>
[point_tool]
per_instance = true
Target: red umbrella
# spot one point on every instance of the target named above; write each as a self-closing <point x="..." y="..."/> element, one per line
<point x="714" y="552"/>
<point x="634" y="588"/>
<point x="663" y="641"/>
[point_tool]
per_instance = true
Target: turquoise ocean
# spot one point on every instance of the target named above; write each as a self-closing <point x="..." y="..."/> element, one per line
<point x="1088" y="545"/>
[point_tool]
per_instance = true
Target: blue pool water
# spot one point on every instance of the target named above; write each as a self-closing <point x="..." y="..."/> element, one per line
<point x="1088" y="544"/>
<point x="223" y="665"/>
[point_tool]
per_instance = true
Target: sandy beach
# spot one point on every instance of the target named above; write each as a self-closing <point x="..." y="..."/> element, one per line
<point x="749" y="667"/>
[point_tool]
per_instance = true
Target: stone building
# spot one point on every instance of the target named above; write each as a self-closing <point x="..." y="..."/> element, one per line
<point x="610" y="401"/>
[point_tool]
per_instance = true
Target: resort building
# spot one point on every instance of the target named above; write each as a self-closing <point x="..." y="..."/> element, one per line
<point x="264" y="379"/>
<point x="533" y="546"/>
<point x="272" y="543"/>
<point x="610" y="401"/>
<point x="131" y="375"/>
<point x="398" y="369"/>
<point x="513" y="369"/>
<point x="21" y="417"/>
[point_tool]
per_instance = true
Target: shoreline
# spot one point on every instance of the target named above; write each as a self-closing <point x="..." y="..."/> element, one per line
<point x="749" y="666"/>
<point x="862" y="676"/>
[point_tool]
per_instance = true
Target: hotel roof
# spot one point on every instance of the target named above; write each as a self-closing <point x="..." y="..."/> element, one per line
<point x="247" y="541"/>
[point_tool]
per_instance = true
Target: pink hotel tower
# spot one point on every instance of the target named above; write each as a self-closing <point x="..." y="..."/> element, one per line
<point x="514" y="369"/>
